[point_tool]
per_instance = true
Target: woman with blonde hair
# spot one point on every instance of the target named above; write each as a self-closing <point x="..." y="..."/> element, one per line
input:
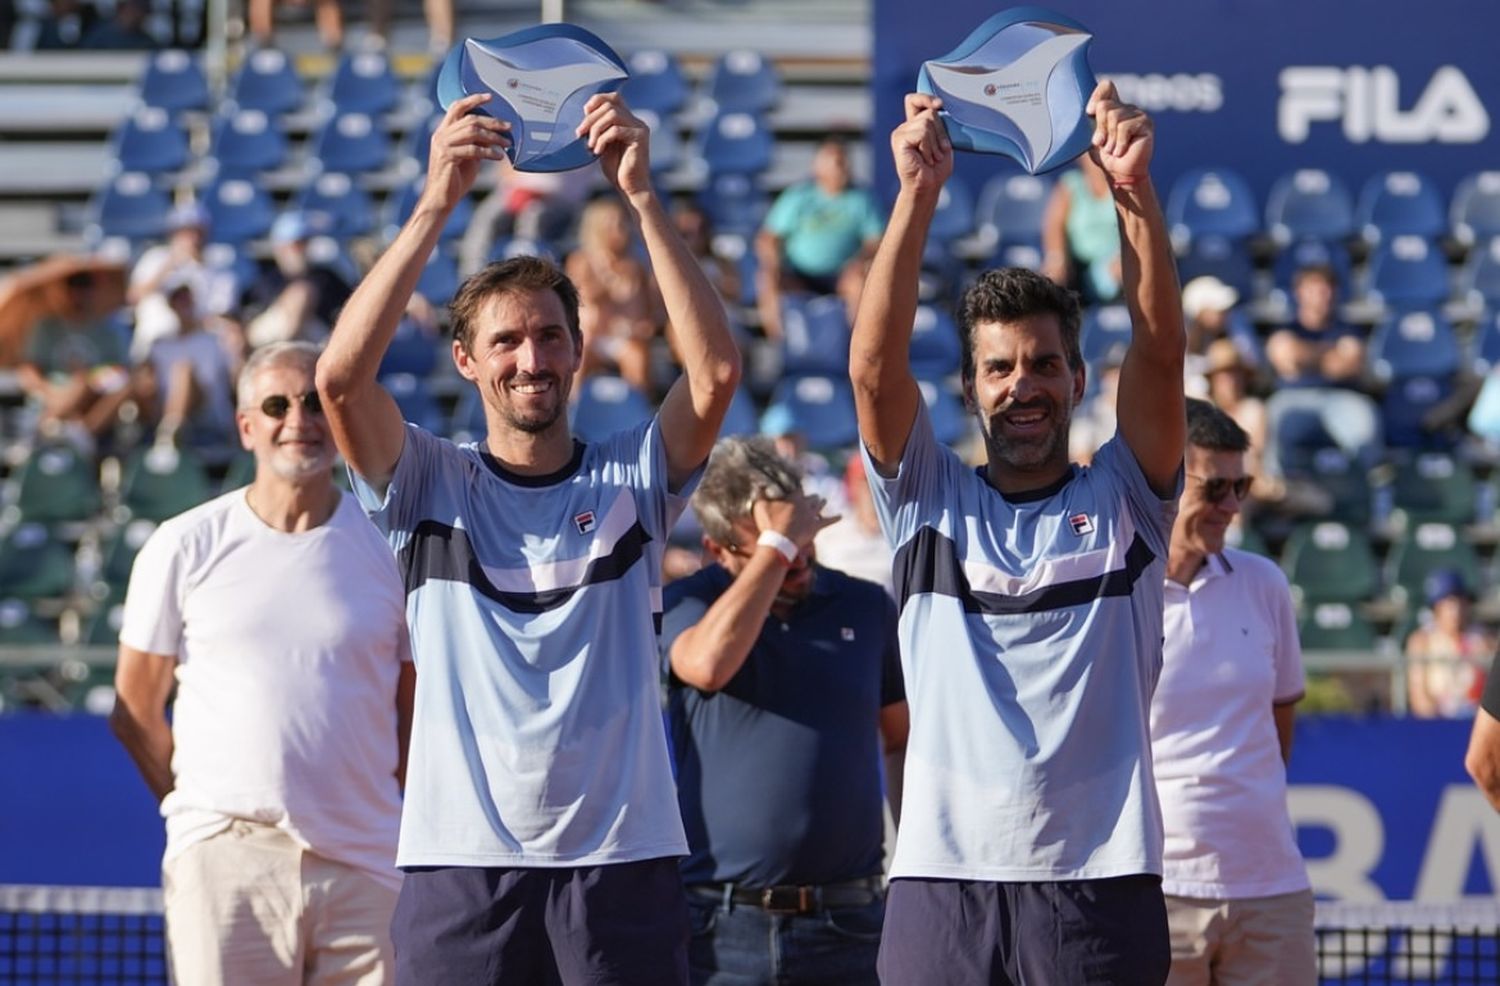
<point x="620" y="311"/>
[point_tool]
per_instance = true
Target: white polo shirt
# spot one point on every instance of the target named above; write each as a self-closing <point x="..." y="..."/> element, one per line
<point x="1231" y="652"/>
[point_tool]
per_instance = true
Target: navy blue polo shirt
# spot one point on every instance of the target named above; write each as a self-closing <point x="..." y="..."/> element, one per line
<point x="778" y="774"/>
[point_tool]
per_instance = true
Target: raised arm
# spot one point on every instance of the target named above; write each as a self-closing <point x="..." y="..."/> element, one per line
<point x="697" y="326"/>
<point x="1151" y="405"/>
<point x="365" y="420"/>
<point x="885" y="392"/>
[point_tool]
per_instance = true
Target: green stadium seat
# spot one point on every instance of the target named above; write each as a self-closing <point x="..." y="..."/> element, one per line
<point x="1330" y="561"/>
<point x="21" y="626"/>
<point x="57" y="485"/>
<point x="1335" y="626"/>
<point x="162" y="482"/>
<point x="117" y="557"/>
<point x="1429" y="546"/>
<point x="1434" y="486"/>
<point x="35" y="565"/>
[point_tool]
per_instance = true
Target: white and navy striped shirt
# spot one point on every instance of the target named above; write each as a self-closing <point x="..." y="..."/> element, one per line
<point x="534" y="605"/>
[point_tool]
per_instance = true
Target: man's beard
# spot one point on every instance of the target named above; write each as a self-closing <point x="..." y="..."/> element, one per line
<point x="1027" y="453"/>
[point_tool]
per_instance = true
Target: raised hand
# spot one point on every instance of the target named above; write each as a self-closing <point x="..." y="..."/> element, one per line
<point x="1123" y="136"/>
<point x="621" y="142"/>
<point x="920" y="146"/>
<point x="462" y="141"/>
<point x="798" y="517"/>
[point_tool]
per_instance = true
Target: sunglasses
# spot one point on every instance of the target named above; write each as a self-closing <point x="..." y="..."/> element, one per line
<point x="277" y="405"/>
<point x="1216" y="489"/>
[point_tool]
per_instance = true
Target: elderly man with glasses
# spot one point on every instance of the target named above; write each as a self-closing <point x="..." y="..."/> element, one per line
<point x="1239" y="906"/>
<point x="277" y="613"/>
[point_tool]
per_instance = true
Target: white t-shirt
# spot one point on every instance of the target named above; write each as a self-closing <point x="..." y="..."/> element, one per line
<point x="210" y="363"/>
<point x="1231" y="652"/>
<point x="213" y="294"/>
<point x="288" y="649"/>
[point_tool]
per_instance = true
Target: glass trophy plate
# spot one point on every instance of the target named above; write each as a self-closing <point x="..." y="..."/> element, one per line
<point x="540" y="78"/>
<point x="1017" y="86"/>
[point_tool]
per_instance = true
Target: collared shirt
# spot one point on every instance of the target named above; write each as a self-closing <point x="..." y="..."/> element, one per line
<point x="1231" y="653"/>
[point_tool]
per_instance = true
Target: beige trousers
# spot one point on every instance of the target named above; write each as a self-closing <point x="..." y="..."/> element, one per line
<point x="1255" y="940"/>
<point x="250" y="905"/>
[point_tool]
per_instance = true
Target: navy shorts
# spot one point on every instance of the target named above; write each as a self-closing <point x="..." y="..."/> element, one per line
<point x="624" y="924"/>
<point x="973" y="933"/>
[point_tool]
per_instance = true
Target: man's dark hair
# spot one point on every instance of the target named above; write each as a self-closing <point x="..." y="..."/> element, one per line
<point x="506" y="277"/>
<point x="1319" y="270"/>
<point x="1210" y="428"/>
<point x="1009" y="294"/>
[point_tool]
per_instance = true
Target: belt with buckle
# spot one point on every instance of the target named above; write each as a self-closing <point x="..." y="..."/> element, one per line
<point x="794" y="899"/>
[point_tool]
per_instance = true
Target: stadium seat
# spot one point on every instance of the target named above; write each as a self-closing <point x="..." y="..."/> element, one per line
<point x="822" y="409"/>
<point x="1484" y="352"/>
<point x="1479" y="280"/>
<point x="735" y="203"/>
<point x="1474" y="216"/>
<point x="1309" y="204"/>
<point x="240" y="472"/>
<point x="935" y="344"/>
<point x="741" y="418"/>
<point x="1339" y="472"/>
<point x="1223" y="257"/>
<point x="339" y="197"/>
<point x="411" y="351"/>
<point x="607" y="404"/>
<point x="950" y="422"/>
<point x="1331" y="561"/>
<point x="399" y="209"/>
<point x="1407" y="271"/>
<point x="56" y="485"/>
<point x="815" y="334"/>
<point x="20" y="626"/>
<point x="151" y="141"/>
<point x="231" y="271"/>
<point x="364" y="83"/>
<point x="1405" y="405"/>
<point x="174" y="81"/>
<point x="246" y="141"/>
<point x="239" y="210"/>
<point x="267" y="81"/>
<point x="507" y="247"/>
<point x="161" y="482"/>
<point x="1426" y="547"/>
<point x="955" y="213"/>
<point x="468" y="424"/>
<point x="351" y="142"/>
<point x="439" y="281"/>
<point x="130" y="207"/>
<point x="1335" y="626"/>
<point x="1104" y="327"/>
<point x="416" y="401"/>
<point x="1211" y="202"/>
<point x="1010" y="211"/>
<point x="1399" y="203"/>
<point x="743" y="81"/>
<point x="34" y="564"/>
<point x="1434" y="486"/>
<point x="117" y="553"/>
<point x="736" y="143"/>
<point x="656" y="83"/>
<point x="103" y="628"/>
<point x="417" y="144"/>
<point x="735" y="248"/>
<point x="666" y="143"/>
<point x="1415" y="343"/>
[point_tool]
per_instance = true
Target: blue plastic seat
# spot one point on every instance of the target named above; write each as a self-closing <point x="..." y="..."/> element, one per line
<point x="1415" y="343"/>
<point x="735" y="202"/>
<point x="822" y="408"/>
<point x="412" y="351"/>
<point x="231" y="271"/>
<point x="1479" y="281"/>
<point x="1399" y="203"/>
<point x="415" y="399"/>
<point x="1407" y="272"/>
<point x="935" y="344"/>
<point x="339" y="197"/>
<point x="174" y="81"/>
<point x="267" y="81"/>
<point x="744" y="81"/>
<point x="1104" y="328"/>
<point x="950" y="422"/>
<point x="439" y="280"/>
<point x="656" y="83"/>
<point x="666" y="144"/>
<point x="468" y="422"/>
<point x="741" y="418"/>
<point x="1474" y="216"/>
<point x="1010" y="210"/>
<point x="1484" y="351"/>
<point x="955" y="212"/>
<point x="351" y="142"/>
<point x="1211" y="202"/>
<point x="364" y="83"/>
<point x="1405" y="405"/>
<point x="399" y="208"/>
<point x="151" y="141"/>
<point x="246" y="141"/>
<point x="1309" y="204"/>
<point x="238" y="209"/>
<point x="815" y="335"/>
<point x="737" y="143"/>
<point x="130" y="206"/>
<point x="1223" y="257"/>
<point x="507" y="247"/>
<point x="607" y="404"/>
<point x="417" y="142"/>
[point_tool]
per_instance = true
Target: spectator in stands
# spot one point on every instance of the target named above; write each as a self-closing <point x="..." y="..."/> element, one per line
<point x="697" y="231"/>
<point x="1448" y="655"/>
<point x="619" y="310"/>
<point x="1239" y="904"/>
<point x="65" y="25"/>
<point x="125" y="31"/>
<point x="293" y="298"/>
<point x="1227" y="375"/>
<point x="439" y="15"/>
<point x="539" y="206"/>
<point x="540" y="831"/>
<point x="1207" y="304"/>
<point x="785" y="684"/>
<point x="74" y="367"/>
<point x="1316" y="349"/>
<point x="1482" y="760"/>
<point x="813" y="230"/>
<point x="178" y="259"/>
<point x="277" y="615"/>
<point x="1080" y="241"/>
<point x="191" y="377"/>
<point x="854" y="544"/>
<point x="327" y="14"/>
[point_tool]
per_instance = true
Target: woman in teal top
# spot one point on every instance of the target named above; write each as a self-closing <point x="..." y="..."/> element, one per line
<point x="1080" y="236"/>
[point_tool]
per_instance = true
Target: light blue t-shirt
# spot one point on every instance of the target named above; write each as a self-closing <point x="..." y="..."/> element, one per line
<point x="821" y="232"/>
<point x="534" y="604"/>
<point x="1031" y="641"/>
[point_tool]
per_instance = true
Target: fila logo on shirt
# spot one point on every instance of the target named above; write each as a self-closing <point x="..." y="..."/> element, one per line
<point x="1082" y="524"/>
<point x="584" y="521"/>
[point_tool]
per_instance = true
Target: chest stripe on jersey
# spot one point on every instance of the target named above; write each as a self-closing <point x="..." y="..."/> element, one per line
<point x="928" y="563"/>
<point x="439" y="551"/>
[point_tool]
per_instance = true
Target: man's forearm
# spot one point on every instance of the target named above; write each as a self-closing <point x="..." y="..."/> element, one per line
<point x="1149" y="273"/>
<point x="695" y="313"/>
<point x="149" y="743"/>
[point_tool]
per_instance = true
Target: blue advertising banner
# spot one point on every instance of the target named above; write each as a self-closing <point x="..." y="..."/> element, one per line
<point x="1262" y="87"/>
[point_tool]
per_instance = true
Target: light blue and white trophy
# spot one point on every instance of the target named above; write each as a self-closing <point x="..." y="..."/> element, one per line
<point x="540" y="79"/>
<point x="1017" y="86"/>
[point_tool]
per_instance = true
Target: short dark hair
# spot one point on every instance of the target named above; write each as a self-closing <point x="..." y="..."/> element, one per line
<point x="1008" y="294"/>
<point x="1208" y="427"/>
<point x="1318" y="270"/>
<point x="506" y="277"/>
